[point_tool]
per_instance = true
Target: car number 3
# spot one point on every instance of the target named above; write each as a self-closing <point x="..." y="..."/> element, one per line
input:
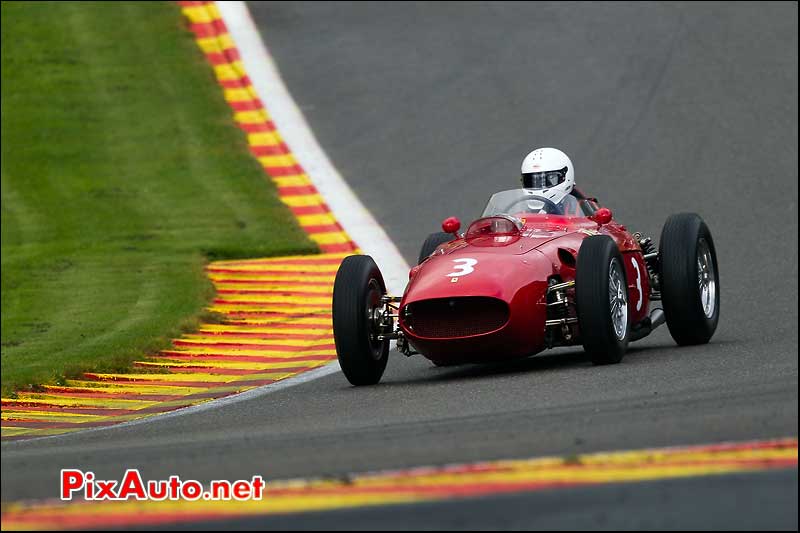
<point x="638" y="283"/>
<point x="463" y="267"/>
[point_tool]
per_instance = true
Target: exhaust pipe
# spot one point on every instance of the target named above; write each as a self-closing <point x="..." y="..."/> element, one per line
<point x="646" y="326"/>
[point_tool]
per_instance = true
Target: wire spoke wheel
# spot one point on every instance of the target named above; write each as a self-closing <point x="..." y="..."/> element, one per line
<point x="357" y="317"/>
<point x="618" y="300"/>
<point x="706" y="279"/>
<point x="374" y="310"/>
<point x="601" y="295"/>
<point x="689" y="276"/>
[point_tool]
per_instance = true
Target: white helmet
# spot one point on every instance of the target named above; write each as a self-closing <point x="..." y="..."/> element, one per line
<point x="549" y="171"/>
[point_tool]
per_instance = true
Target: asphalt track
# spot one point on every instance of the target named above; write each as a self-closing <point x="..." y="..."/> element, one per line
<point x="428" y="109"/>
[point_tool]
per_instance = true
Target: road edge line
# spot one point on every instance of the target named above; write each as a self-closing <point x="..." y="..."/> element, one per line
<point x="354" y="217"/>
<point x="351" y="214"/>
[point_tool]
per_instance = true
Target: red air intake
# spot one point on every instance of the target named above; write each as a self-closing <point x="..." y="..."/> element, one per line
<point x="443" y="318"/>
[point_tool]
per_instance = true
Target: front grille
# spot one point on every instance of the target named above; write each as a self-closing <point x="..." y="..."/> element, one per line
<point x="455" y="317"/>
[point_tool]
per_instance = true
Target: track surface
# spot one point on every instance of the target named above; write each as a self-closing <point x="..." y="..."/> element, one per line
<point x="426" y="110"/>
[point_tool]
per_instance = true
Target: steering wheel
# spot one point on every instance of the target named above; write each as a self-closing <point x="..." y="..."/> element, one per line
<point x="549" y="206"/>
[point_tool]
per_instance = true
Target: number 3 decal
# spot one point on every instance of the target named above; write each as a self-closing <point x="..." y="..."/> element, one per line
<point x="464" y="268"/>
<point x="638" y="283"/>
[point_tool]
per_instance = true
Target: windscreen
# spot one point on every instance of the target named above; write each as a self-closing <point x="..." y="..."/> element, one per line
<point x="517" y="202"/>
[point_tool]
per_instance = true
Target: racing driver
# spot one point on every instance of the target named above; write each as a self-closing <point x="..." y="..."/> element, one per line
<point x="550" y="173"/>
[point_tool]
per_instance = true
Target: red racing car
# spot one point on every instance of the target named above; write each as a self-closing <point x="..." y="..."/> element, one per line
<point x="525" y="277"/>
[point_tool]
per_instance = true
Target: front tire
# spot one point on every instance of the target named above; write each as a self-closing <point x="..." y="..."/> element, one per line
<point x="689" y="279"/>
<point x="601" y="295"/>
<point x="430" y="245"/>
<point x="357" y="292"/>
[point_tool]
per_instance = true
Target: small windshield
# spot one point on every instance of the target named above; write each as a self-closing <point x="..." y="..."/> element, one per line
<point x="518" y="202"/>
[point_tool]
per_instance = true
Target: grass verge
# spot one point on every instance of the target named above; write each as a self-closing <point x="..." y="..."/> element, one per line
<point x="122" y="173"/>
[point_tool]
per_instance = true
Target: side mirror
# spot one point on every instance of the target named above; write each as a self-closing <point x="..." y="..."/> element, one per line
<point x="451" y="225"/>
<point x="602" y="216"/>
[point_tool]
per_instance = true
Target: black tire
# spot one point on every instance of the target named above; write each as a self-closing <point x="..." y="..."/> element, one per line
<point x="683" y="236"/>
<point x="430" y="245"/>
<point x="359" y="284"/>
<point x="592" y="297"/>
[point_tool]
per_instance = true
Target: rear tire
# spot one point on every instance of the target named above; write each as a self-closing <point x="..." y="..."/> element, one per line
<point x="688" y="266"/>
<point x="601" y="296"/>
<point x="430" y="245"/>
<point x="356" y="292"/>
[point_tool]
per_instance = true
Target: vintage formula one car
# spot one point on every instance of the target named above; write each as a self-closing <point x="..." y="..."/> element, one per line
<point x="525" y="277"/>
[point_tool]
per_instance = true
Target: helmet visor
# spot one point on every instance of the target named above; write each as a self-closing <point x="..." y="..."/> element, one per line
<point x="544" y="180"/>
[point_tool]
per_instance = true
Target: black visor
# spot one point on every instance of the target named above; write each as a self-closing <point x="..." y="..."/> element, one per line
<point x="544" y="180"/>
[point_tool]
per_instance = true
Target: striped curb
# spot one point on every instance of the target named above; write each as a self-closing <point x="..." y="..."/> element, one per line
<point x="294" y="186"/>
<point x="277" y="325"/>
<point x="419" y="484"/>
<point x="277" y="310"/>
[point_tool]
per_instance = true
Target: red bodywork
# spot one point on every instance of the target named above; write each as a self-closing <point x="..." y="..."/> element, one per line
<point x="495" y="306"/>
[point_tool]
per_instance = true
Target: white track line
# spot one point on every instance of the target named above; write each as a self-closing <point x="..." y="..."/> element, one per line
<point x="304" y="377"/>
<point x="356" y="220"/>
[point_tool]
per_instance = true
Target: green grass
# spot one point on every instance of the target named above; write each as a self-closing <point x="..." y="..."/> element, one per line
<point x="122" y="174"/>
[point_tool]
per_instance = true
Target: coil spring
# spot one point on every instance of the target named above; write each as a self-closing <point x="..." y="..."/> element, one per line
<point x="557" y="311"/>
<point x="647" y="247"/>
